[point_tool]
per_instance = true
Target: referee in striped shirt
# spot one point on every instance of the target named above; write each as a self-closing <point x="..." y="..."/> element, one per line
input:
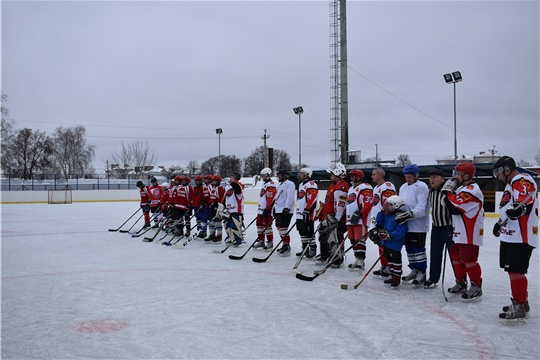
<point x="441" y="227"/>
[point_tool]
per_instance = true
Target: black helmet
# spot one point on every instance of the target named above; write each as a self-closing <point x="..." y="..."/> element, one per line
<point x="283" y="172"/>
<point x="153" y="180"/>
<point x="236" y="175"/>
<point x="505" y="161"/>
<point x="140" y="184"/>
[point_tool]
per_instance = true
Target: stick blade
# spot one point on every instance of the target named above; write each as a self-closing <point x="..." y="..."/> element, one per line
<point x="113" y="229"/>
<point x="233" y="257"/>
<point x="257" y="260"/>
<point x="306" y="278"/>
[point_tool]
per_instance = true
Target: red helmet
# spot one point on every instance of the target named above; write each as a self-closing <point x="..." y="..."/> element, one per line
<point x="198" y="177"/>
<point x="187" y="178"/>
<point x="216" y="177"/>
<point x="178" y="177"/>
<point x="466" y="168"/>
<point x="208" y="176"/>
<point x="357" y="172"/>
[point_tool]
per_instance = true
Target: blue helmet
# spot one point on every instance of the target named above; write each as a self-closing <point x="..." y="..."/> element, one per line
<point x="412" y="169"/>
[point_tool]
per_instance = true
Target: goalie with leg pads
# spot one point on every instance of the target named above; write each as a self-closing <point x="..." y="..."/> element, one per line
<point x="234" y="212"/>
<point x="333" y="210"/>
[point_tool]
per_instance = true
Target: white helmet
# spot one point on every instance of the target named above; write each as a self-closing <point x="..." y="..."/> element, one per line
<point x="266" y="171"/>
<point x="338" y="169"/>
<point x="165" y="185"/>
<point x="307" y="171"/>
<point x="395" y="201"/>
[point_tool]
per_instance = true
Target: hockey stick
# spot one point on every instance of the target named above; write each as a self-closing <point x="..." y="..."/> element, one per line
<point x="304" y="251"/>
<point x="355" y="286"/>
<point x="233" y="257"/>
<point x="126" y="220"/>
<point x="316" y="273"/>
<point x="257" y="260"/>
<point x="168" y="243"/>
<point x="443" y="268"/>
<point x="135" y="223"/>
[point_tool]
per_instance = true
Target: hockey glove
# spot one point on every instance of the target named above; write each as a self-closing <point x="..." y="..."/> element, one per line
<point x="373" y="235"/>
<point x="266" y="213"/>
<point x="497" y="228"/>
<point x="355" y="217"/>
<point x="450" y="185"/>
<point x="305" y="215"/>
<point x="384" y="235"/>
<point x="286" y="211"/>
<point x="403" y="217"/>
<point x="516" y="210"/>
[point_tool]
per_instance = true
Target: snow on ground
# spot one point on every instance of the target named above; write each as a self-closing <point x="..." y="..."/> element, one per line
<point x="72" y="289"/>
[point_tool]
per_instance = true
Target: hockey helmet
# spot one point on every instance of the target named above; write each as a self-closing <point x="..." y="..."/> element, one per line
<point x="165" y="185"/>
<point x="358" y="173"/>
<point x="216" y="178"/>
<point x="307" y="171"/>
<point x="198" y="178"/>
<point x="337" y="169"/>
<point x="187" y="178"/>
<point x="411" y="169"/>
<point x="236" y="175"/>
<point x="208" y="176"/>
<point x="283" y="172"/>
<point x="466" y="168"/>
<point x="266" y="171"/>
<point x="504" y="162"/>
<point x="140" y="184"/>
<point x="178" y="177"/>
<point x="395" y="201"/>
<point x="153" y="180"/>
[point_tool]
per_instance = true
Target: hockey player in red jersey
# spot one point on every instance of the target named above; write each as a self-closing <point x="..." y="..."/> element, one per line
<point x="517" y="230"/>
<point x="333" y="216"/>
<point x="197" y="203"/>
<point x="267" y="196"/>
<point x="145" y="203"/>
<point x="306" y="204"/>
<point x="217" y="196"/>
<point x="465" y="202"/>
<point x="205" y="201"/>
<point x="154" y="195"/>
<point x="359" y="203"/>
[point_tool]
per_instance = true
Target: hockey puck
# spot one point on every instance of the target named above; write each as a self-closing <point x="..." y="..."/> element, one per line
<point x="345" y="286"/>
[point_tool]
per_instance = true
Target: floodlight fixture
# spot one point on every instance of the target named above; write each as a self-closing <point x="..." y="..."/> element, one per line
<point x="298" y="110"/>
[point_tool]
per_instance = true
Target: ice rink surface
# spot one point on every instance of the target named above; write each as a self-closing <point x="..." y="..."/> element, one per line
<point x="71" y="289"/>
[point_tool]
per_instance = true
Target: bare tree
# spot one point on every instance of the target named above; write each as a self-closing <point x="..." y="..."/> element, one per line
<point x="523" y="163"/>
<point x="403" y="160"/>
<point x="30" y="152"/>
<point x="210" y="166"/>
<point x="282" y="160"/>
<point x="135" y="157"/>
<point x="73" y="155"/>
<point x="537" y="158"/>
<point x="254" y="163"/>
<point x="192" y="166"/>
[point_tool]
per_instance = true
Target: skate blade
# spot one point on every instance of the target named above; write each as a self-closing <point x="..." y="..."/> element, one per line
<point x="475" y="299"/>
<point x="513" y="321"/>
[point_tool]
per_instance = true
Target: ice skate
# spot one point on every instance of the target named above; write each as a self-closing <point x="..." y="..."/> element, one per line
<point x="382" y="273"/>
<point x="473" y="294"/>
<point x="429" y="284"/>
<point x="515" y="313"/>
<point x="285" y="250"/>
<point x="269" y="246"/>
<point x="459" y="288"/>
<point x="419" y="279"/>
<point x="409" y="278"/>
<point x="358" y="265"/>
<point x="259" y="245"/>
<point x="525" y="306"/>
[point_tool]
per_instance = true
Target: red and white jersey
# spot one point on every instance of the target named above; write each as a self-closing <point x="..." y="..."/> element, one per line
<point x="336" y="200"/>
<point x="206" y="194"/>
<point x="359" y="197"/>
<point x="234" y="197"/>
<point x="182" y="196"/>
<point x="217" y="194"/>
<point x="267" y="196"/>
<point x="469" y="224"/>
<point x="525" y="228"/>
<point x="380" y="194"/>
<point x="198" y="195"/>
<point x="143" y="192"/>
<point x="154" y="195"/>
<point x="308" y="194"/>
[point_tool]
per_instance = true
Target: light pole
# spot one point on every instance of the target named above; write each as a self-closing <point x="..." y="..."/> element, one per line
<point x="218" y="132"/>
<point x="454" y="78"/>
<point x="298" y="111"/>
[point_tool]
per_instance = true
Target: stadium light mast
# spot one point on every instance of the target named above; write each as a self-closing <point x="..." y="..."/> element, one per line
<point x="454" y="78"/>
<point x="298" y="111"/>
<point x="218" y="132"/>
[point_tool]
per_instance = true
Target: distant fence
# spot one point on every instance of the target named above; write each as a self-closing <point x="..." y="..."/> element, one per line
<point x="44" y="182"/>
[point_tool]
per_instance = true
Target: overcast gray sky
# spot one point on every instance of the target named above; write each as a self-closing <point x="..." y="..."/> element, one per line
<point x="172" y="72"/>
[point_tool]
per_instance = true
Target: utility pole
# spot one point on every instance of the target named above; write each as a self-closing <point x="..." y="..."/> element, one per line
<point x="265" y="150"/>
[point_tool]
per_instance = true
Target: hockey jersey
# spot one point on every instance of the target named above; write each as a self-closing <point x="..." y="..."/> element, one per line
<point x="525" y="228"/>
<point x="336" y="200"/>
<point x="267" y="195"/>
<point x="360" y="198"/>
<point x="308" y="193"/>
<point x="380" y="194"/>
<point x="416" y="199"/>
<point x="468" y="220"/>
